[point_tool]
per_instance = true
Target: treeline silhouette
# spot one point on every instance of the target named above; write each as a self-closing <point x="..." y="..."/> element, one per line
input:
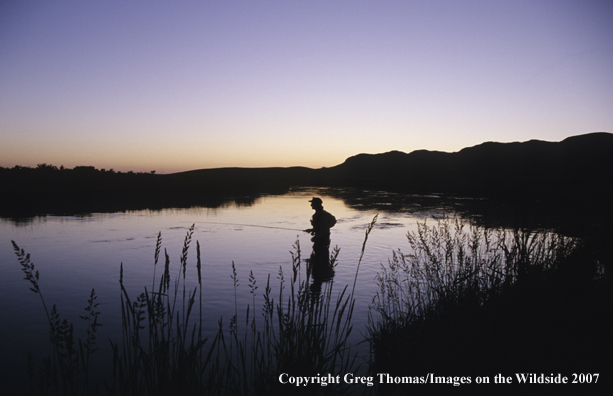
<point x="48" y="189"/>
<point x="571" y="175"/>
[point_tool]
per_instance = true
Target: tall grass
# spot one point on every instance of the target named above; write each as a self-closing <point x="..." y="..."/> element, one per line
<point x="450" y="260"/>
<point x="163" y="349"/>
<point x="461" y="295"/>
<point x="67" y="371"/>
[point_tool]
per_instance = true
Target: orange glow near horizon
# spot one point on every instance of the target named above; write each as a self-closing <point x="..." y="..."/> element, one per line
<point x="178" y="87"/>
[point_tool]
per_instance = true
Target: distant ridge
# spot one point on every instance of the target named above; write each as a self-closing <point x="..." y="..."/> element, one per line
<point x="577" y="171"/>
<point x="491" y="168"/>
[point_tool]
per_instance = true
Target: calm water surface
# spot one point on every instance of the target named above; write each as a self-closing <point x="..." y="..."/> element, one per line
<point x="76" y="254"/>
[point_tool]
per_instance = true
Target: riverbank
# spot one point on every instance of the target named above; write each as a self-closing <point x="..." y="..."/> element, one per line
<point x="456" y="309"/>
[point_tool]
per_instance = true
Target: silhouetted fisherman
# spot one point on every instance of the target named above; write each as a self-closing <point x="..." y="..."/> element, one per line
<point x="319" y="264"/>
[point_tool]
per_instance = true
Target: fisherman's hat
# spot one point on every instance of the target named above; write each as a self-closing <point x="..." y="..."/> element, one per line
<point x="316" y="200"/>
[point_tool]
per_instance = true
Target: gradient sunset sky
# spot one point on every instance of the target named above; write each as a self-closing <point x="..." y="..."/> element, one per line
<point x="181" y="85"/>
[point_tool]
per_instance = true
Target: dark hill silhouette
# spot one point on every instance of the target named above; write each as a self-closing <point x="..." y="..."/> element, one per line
<point x="576" y="171"/>
<point x="489" y="169"/>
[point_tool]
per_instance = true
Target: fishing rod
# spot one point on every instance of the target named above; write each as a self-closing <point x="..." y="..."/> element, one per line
<point x="248" y="225"/>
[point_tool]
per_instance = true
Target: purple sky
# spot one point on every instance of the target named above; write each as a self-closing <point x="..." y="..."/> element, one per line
<point x="180" y="85"/>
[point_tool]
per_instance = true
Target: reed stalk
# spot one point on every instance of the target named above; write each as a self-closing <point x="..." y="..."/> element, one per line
<point x="68" y="371"/>
<point x="163" y="349"/>
<point x="449" y="302"/>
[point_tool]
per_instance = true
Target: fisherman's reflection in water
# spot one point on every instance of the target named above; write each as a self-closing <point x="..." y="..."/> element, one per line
<point x="319" y="264"/>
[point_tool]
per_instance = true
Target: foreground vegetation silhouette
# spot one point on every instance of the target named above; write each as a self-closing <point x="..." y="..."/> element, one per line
<point x="163" y="350"/>
<point x="469" y="301"/>
<point x="465" y="301"/>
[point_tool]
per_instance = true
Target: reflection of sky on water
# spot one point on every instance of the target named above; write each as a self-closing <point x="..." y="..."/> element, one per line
<point x="76" y="254"/>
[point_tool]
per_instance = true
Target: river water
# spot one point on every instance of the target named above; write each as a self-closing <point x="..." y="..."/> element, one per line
<point x="74" y="254"/>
